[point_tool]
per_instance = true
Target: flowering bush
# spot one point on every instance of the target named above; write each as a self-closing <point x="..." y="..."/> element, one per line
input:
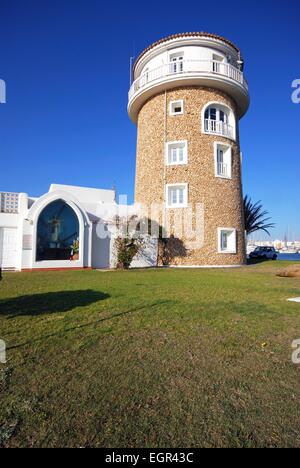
<point x="128" y="243"/>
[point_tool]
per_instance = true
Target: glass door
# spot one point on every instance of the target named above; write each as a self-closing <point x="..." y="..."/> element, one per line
<point x="177" y="64"/>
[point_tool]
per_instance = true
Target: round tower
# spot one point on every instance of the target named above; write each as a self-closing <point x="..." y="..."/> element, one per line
<point x="187" y="96"/>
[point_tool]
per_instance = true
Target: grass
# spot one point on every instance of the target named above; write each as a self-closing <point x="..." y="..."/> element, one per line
<point x="160" y="358"/>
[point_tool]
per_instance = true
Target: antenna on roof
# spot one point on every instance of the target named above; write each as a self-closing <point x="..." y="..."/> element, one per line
<point x="131" y="62"/>
<point x="131" y="70"/>
<point x="114" y="188"/>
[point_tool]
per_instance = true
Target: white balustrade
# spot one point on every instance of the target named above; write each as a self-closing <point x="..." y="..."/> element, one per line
<point x="218" y="127"/>
<point x="183" y="67"/>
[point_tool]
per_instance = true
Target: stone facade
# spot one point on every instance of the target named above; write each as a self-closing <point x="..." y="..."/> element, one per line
<point x="221" y="198"/>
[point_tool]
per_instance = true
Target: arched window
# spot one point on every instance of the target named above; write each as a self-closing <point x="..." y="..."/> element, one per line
<point x="57" y="232"/>
<point x="219" y="120"/>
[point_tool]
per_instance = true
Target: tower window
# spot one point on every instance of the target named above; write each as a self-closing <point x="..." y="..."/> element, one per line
<point x="216" y="115"/>
<point x="223" y="160"/>
<point x="211" y="114"/>
<point x="176" y="195"/>
<point x="226" y="240"/>
<point x="176" y="107"/>
<point x="176" y="153"/>
<point x="219" y="119"/>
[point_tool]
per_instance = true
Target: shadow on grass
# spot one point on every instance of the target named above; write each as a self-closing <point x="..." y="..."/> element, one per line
<point x="89" y="324"/>
<point x="256" y="261"/>
<point x="49" y="303"/>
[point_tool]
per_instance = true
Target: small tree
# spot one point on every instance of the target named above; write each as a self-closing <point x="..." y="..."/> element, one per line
<point x="255" y="217"/>
<point x="129" y="242"/>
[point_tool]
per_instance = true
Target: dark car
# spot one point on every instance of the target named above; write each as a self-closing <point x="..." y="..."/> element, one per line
<point x="264" y="253"/>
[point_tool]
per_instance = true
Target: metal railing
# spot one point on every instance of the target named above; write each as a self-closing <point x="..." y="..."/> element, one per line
<point x="222" y="169"/>
<point x="9" y="202"/>
<point x="218" y="127"/>
<point x="204" y="67"/>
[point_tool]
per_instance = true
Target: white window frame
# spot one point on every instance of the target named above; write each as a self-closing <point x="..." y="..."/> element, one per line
<point x="228" y="250"/>
<point x="172" y="144"/>
<point x="179" y="184"/>
<point x="232" y="121"/>
<point x="176" y="65"/>
<point x="218" y="60"/>
<point x="173" y="104"/>
<point x="217" y="145"/>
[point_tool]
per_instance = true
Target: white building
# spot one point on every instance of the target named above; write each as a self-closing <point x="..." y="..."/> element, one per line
<point x="44" y="232"/>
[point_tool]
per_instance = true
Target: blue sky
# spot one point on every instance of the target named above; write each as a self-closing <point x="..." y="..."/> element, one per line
<point x="66" y="66"/>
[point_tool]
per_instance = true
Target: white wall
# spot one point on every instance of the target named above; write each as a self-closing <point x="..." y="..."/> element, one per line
<point x="9" y="220"/>
<point x="101" y="246"/>
<point x="145" y="259"/>
<point x="97" y="228"/>
<point x="85" y="194"/>
<point x="189" y="53"/>
<point x="148" y="257"/>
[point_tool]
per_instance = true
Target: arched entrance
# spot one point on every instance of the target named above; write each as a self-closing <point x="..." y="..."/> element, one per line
<point x="58" y="230"/>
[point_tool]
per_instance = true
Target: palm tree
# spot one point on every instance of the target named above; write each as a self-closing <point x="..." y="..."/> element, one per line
<point x="255" y="217"/>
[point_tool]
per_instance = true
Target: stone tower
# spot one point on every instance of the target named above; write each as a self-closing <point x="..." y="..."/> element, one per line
<point x="187" y="96"/>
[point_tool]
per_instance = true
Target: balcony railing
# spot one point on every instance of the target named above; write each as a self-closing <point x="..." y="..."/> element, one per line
<point x="222" y="169"/>
<point x="9" y="202"/>
<point x="184" y="67"/>
<point x="218" y="127"/>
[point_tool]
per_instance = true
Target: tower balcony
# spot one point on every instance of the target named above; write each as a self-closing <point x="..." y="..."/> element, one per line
<point x="219" y="128"/>
<point x="207" y="73"/>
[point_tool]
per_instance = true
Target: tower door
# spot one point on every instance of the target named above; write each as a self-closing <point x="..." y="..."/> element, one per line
<point x="221" y="169"/>
<point x="218" y="60"/>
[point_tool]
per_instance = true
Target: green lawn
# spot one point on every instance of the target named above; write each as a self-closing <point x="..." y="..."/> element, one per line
<point x="156" y="358"/>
